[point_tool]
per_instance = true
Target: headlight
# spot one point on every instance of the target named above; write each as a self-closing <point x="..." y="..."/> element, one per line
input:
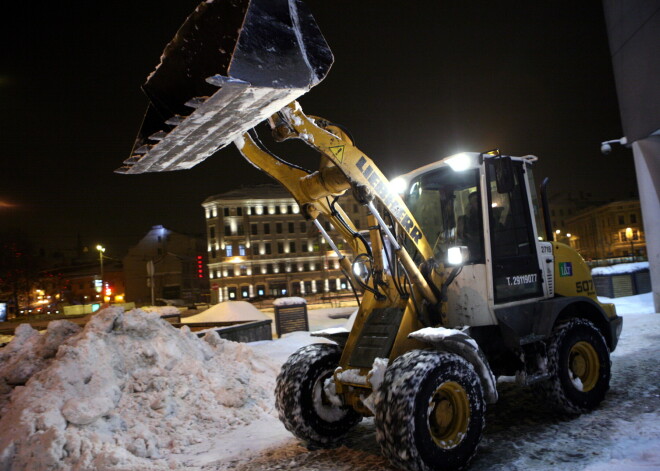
<point x="459" y="162"/>
<point x="398" y="185"/>
<point x="457" y="255"/>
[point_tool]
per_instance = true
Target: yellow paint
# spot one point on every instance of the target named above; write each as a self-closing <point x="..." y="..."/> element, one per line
<point x="577" y="280"/>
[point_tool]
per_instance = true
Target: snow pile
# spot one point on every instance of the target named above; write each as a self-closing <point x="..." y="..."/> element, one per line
<point x="28" y="353"/>
<point x="228" y="311"/>
<point x="290" y="301"/>
<point x="620" y="269"/>
<point x="162" y="310"/>
<point x="128" y="392"/>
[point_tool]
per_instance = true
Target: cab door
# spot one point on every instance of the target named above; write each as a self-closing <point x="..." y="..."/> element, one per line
<point x="515" y="264"/>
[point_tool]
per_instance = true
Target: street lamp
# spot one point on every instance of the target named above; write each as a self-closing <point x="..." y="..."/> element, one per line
<point x="629" y="236"/>
<point x="101" y="249"/>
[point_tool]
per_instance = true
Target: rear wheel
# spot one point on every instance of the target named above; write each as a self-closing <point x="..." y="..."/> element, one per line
<point x="579" y="367"/>
<point x="301" y="399"/>
<point x="430" y="411"/>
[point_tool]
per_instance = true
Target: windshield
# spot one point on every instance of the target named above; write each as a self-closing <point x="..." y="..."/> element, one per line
<point x="447" y="206"/>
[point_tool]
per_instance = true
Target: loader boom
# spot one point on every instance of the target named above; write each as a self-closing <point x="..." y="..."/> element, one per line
<point x="346" y="168"/>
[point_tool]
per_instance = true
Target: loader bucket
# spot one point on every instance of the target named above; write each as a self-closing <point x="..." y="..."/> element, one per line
<point x="232" y="64"/>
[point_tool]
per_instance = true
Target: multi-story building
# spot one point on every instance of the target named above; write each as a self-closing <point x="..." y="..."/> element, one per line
<point x="166" y="265"/>
<point x="259" y="245"/>
<point x="611" y="230"/>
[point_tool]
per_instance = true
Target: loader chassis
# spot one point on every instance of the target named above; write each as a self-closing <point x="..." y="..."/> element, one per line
<point x="456" y="286"/>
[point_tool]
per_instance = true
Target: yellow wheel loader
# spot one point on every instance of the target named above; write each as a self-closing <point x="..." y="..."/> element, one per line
<point x="457" y="286"/>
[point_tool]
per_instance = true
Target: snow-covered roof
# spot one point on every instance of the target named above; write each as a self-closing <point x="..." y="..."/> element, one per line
<point x="228" y="311"/>
<point x="620" y="269"/>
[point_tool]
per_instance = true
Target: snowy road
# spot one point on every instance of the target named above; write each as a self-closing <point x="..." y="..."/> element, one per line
<point x="521" y="432"/>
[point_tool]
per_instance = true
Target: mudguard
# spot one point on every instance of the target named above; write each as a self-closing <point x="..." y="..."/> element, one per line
<point x="455" y="341"/>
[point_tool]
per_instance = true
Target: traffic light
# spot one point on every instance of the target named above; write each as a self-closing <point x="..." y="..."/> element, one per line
<point x="200" y="266"/>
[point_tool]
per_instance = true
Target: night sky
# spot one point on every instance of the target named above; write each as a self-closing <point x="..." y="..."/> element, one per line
<point x="412" y="81"/>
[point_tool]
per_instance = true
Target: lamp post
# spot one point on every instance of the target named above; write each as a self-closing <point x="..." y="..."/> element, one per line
<point x="101" y="249"/>
<point x="629" y="236"/>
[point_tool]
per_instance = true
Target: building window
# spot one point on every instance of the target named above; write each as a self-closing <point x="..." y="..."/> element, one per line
<point x="306" y="266"/>
<point x="278" y="210"/>
<point x="261" y="290"/>
<point x="291" y="228"/>
<point x="268" y="248"/>
<point x="253" y="229"/>
<point x="303" y="227"/>
<point x="270" y="268"/>
<point x="241" y="250"/>
<point x="232" y="293"/>
<point x="292" y="247"/>
<point x="227" y="230"/>
<point x="280" y="247"/>
<point x="622" y="220"/>
<point x="282" y="267"/>
<point x="229" y="250"/>
<point x="633" y="219"/>
<point x="290" y="210"/>
<point x="212" y="232"/>
<point x="623" y="236"/>
<point x="278" y="227"/>
<point x="255" y="249"/>
<point x="230" y="271"/>
<point x="266" y="228"/>
<point x="214" y="254"/>
<point x="226" y="211"/>
<point x="245" y="292"/>
<point x="243" y="270"/>
<point x="303" y="246"/>
<point x="635" y="235"/>
<point x="239" y="211"/>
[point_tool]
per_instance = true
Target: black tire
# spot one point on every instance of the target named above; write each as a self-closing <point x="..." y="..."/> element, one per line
<point x="579" y="367"/>
<point x="300" y="400"/>
<point x="411" y="429"/>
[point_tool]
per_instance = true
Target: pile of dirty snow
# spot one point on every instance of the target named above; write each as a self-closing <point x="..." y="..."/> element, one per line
<point x="129" y="391"/>
<point x="162" y="310"/>
<point x="228" y="311"/>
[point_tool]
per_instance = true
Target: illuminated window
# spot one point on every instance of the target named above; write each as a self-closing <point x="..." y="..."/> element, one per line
<point x="241" y="250"/>
<point x="229" y="250"/>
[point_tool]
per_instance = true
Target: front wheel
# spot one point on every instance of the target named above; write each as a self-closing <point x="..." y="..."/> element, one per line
<point x="430" y="411"/>
<point x="579" y="367"/>
<point x="301" y="399"/>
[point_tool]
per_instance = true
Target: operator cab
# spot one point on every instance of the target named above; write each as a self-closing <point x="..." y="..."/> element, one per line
<point x="479" y="213"/>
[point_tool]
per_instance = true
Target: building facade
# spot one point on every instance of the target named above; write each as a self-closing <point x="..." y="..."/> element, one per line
<point x="259" y="245"/>
<point x="611" y="230"/>
<point x="166" y="265"/>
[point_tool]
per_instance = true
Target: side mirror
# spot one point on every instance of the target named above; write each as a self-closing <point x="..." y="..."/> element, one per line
<point x="504" y="174"/>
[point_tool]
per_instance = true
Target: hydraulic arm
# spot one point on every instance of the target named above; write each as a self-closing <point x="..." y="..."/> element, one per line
<point x="343" y="167"/>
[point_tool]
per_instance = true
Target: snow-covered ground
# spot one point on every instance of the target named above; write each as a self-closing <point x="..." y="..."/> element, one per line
<point x="114" y="398"/>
